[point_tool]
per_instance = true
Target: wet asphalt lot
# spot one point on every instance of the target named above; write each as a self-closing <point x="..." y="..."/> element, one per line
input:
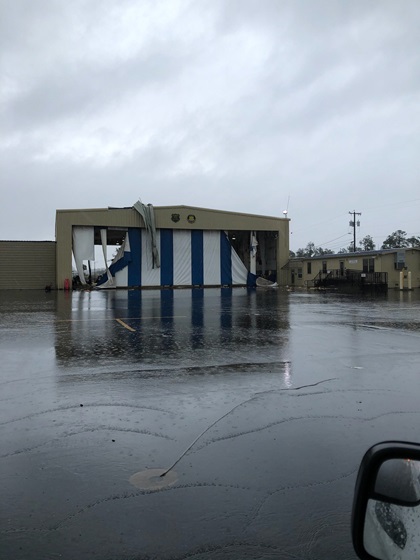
<point x="262" y="401"/>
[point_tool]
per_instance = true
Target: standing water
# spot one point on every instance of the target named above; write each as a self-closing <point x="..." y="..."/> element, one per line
<point x="256" y="406"/>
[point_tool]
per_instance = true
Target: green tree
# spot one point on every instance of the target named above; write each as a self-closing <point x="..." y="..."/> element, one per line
<point x="308" y="251"/>
<point x="311" y="250"/>
<point x="349" y="249"/>
<point x="396" y="240"/>
<point x="414" y="241"/>
<point x="367" y="243"/>
<point x="321" y="251"/>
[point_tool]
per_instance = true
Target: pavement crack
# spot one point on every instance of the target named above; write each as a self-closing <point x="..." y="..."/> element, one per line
<point x="84" y="431"/>
<point x="254" y="397"/>
<point x="139" y="493"/>
<point x="296" y="487"/>
<point x="85" y="406"/>
<point x="295" y="418"/>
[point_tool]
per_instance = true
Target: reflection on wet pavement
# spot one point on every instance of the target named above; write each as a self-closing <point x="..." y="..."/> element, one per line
<point x="260" y="403"/>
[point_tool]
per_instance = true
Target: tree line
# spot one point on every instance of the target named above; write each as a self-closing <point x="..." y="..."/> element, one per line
<point x="396" y="240"/>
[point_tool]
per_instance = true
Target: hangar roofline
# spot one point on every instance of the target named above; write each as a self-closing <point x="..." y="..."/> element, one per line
<point x="176" y="207"/>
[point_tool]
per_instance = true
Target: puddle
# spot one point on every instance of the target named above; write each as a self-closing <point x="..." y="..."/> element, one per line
<point x="151" y="479"/>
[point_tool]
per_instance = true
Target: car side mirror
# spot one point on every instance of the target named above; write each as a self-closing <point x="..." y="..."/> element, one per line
<point x="386" y="507"/>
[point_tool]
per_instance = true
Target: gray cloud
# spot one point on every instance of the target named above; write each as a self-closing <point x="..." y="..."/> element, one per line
<point x="76" y="92"/>
<point x="234" y="105"/>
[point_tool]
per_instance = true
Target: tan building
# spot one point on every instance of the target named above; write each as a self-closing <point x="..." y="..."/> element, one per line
<point x="399" y="268"/>
<point x="27" y="265"/>
<point x="181" y="246"/>
<point x="173" y="246"/>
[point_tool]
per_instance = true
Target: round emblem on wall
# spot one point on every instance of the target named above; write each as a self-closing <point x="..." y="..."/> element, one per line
<point x="191" y="218"/>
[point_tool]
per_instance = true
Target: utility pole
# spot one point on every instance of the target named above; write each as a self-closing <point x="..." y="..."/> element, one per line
<point x="353" y="224"/>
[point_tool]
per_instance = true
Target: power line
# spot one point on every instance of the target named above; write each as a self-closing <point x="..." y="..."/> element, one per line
<point x="335" y="239"/>
<point x="394" y="204"/>
<point x="311" y="226"/>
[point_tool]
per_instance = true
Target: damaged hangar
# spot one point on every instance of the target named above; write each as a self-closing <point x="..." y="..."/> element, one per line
<point x="172" y="246"/>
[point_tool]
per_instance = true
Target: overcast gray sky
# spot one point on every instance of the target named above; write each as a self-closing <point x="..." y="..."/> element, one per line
<point x="229" y="104"/>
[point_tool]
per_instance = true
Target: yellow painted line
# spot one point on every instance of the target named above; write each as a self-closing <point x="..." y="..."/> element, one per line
<point x="121" y="322"/>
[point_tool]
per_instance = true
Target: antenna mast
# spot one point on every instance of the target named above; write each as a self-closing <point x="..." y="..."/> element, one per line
<point x="285" y="212"/>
